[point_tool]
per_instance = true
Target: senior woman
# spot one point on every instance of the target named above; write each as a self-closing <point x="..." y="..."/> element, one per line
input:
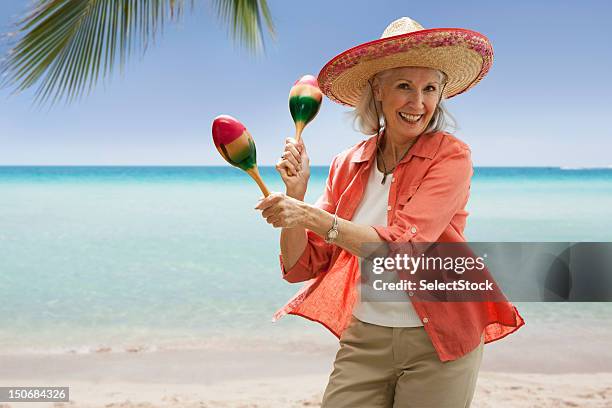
<point x="407" y="183"/>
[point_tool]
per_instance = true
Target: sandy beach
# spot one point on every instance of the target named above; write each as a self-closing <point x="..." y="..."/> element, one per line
<point x="505" y="390"/>
<point x="536" y="367"/>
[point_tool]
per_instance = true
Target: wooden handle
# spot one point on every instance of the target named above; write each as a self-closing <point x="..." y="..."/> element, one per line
<point x="299" y="127"/>
<point x="254" y="173"/>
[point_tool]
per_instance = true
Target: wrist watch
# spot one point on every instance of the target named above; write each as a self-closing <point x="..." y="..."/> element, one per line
<point x="332" y="234"/>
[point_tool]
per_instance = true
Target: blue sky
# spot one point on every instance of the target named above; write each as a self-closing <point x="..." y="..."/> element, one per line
<point x="544" y="103"/>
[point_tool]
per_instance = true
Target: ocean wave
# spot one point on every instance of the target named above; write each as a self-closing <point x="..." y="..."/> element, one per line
<point x="290" y="343"/>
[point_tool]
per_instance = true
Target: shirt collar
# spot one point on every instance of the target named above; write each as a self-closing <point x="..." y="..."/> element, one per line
<point x="426" y="146"/>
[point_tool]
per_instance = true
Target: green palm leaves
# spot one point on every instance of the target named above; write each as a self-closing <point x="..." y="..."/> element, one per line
<point x="65" y="46"/>
<point x="244" y="17"/>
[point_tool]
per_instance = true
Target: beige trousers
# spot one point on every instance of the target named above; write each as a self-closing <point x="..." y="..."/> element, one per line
<point x="397" y="367"/>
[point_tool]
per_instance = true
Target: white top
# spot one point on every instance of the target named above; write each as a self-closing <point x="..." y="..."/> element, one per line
<point x="373" y="211"/>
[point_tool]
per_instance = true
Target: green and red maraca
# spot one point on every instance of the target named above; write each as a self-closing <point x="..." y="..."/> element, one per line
<point x="236" y="146"/>
<point x="305" y="100"/>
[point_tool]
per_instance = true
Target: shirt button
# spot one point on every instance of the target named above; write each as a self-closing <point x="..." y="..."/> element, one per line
<point x="425" y="320"/>
<point x="389" y="208"/>
<point x="413" y="230"/>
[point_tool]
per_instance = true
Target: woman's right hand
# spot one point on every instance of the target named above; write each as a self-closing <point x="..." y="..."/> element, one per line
<point x="294" y="168"/>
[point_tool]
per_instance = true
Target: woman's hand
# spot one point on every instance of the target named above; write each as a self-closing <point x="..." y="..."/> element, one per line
<point x="282" y="211"/>
<point x="294" y="168"/>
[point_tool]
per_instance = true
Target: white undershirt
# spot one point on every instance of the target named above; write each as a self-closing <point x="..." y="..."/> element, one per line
<point x="372" y="210"/>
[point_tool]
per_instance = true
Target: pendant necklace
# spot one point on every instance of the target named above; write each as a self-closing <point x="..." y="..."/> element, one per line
<point x="385" y="172"/>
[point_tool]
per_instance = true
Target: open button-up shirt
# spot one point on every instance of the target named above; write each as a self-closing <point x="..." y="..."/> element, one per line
<point x="429" y="191"/>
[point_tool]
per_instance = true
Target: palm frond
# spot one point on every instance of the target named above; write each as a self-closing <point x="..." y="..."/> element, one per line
<point x="244" y="17"/>
<point x="64" y="46"/>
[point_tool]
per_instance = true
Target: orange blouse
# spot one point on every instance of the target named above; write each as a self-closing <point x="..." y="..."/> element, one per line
<point x="429" y="191"/>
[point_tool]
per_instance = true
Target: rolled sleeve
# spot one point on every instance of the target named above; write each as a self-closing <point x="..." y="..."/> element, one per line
<point x="442" y="193"/>
<point x="317" y="255"/>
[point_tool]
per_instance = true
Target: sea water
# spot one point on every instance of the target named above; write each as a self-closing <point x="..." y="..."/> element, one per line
<point x="143" y="258"/>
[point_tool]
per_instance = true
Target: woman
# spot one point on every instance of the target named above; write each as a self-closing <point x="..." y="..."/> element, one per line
<point x="408" y="183"/>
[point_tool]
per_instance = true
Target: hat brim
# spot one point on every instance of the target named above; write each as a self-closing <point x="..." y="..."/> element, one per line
<point x="465" y="56"/>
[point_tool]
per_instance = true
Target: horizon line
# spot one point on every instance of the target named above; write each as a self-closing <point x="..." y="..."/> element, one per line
<point x="566" y="167"/>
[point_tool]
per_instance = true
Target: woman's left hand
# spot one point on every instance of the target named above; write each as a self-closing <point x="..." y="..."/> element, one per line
<point x="282" y="211"/>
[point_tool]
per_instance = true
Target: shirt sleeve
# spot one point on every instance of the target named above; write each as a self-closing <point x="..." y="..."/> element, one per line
<point x="317" y="254"/>
<point x="442" y="193"/>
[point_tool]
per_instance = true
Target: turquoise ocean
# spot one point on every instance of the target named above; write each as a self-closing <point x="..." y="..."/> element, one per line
<point x="149" y="258"/>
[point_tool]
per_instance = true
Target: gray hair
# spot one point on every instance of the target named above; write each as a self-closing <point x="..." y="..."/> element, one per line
<point x="368" y="114"/>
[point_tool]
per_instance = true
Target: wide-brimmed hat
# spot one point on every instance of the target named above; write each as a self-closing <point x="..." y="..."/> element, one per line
<point x="465" y="56"/>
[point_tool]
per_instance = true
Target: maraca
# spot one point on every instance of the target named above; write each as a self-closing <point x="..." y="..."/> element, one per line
<point x="304" y="102"/>
<point x="236" y="146"/>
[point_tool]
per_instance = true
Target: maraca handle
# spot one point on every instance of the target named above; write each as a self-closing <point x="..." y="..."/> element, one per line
<point x="254" y="173"/>
<point x="299" y="127"/>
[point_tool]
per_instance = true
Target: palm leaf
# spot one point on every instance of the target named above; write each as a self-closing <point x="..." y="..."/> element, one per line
<point x="244" y="17"/>
<point x="63" y="47"/>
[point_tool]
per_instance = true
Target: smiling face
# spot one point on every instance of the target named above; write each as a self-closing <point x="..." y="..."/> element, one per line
<point x="409" y="96"/>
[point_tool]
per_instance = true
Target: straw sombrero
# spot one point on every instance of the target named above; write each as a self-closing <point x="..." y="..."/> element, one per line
<point x="465" y="56"/>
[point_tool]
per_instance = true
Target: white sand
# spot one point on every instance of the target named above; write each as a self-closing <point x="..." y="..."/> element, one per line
<point x="276" y="380"/>
<point x="497" y="390"/>
<point x="536" y="367"/>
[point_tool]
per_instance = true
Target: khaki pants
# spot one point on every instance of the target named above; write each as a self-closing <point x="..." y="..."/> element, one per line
<point x="397" y="367"/>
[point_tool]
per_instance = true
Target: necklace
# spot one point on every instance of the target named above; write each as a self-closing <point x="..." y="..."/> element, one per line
<point x="385" y="171"/>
